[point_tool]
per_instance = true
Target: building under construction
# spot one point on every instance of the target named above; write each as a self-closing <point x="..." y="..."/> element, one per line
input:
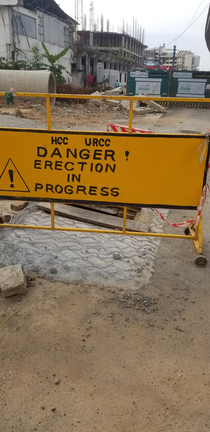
<point x="106" y="56"/>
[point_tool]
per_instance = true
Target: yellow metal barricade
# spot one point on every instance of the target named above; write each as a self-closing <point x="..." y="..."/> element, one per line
<point x="148" y="170"/>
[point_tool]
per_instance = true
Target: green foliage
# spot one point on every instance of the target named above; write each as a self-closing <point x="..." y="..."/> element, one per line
<point x="58" y="72"/>
<point x="36" y="63"/>
<point x="56" y="68"/>
<point x="11" y="65"/>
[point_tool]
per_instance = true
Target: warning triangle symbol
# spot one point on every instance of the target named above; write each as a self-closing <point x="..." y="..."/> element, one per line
<point x="11" y="180"/>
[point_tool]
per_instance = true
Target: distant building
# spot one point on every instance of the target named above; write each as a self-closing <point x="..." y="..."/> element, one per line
<point x="107" y="56"/>
<point x="26" y="23"/>
<point x="162" y="57"/>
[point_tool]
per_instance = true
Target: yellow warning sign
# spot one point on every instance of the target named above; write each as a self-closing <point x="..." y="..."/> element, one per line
<point x="148" y="170"/>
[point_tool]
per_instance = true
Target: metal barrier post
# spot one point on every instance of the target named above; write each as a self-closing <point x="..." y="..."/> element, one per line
<point x="124" y="219"/>
<point x="199" y="237"/>
<point x="48" y="113"/>
<point x="130" y="116"/>
<point x="52" y="216"/>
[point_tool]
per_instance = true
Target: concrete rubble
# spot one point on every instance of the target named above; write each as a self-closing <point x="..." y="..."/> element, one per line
<point x="114" y="92"/>
<point x="112" y="102"/>
<point x="12" y="281"/>
<point x="155" y="106"/>
<point x="97" y="102"/>
<point x="125" y="104"/>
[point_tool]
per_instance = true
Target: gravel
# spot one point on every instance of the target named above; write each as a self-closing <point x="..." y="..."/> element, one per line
<point x="14" y="122"/>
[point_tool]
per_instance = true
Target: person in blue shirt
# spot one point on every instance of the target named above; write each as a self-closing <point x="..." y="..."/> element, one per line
<point x="117" y="84"/>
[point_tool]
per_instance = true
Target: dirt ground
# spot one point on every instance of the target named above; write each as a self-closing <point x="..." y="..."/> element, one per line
<point x="77" y="116"/>
<point x="84" y="357"/>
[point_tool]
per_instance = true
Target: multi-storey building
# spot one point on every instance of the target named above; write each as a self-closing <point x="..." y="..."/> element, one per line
<point x="162" y="57"/>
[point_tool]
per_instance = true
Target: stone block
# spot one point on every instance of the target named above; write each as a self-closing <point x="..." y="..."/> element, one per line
<point x="12" y="281"/>
<point x="19" y="205"/>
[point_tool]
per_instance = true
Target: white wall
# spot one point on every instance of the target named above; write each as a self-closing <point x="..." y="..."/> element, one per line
<point x="5" y="35"/>
<point x="52" y="32"/>
<point x="112" y="75"/>
<point x="188" y="61"/>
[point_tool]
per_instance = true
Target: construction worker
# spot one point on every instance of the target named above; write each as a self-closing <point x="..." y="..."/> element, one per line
<point x="116" y="84"/>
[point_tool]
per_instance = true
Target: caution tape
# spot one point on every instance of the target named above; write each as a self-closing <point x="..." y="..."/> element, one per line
<point x="118" y="128"/>
<point x="205" y="191"/>
<point x="185" y="224"/>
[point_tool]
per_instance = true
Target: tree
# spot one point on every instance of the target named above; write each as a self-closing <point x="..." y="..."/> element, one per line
<point x="57" y="69"/>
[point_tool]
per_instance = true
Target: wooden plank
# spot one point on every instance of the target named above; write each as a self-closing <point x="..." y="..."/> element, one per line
<point x="130" y="214"/>
<point x="104" y="210"/>
<point x="92" y="217"/>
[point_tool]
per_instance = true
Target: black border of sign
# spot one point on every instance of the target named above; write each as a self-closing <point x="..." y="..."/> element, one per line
<point x="98" y="133"/>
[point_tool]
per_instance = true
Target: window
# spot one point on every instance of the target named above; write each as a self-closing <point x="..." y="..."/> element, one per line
<point x="120" y="77"/>
<point x="125" y="77"/>
<point x="24" y="25"/>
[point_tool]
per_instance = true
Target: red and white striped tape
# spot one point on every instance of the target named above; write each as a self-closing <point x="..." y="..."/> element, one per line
<point x="118" y="128"/>
<point x="205" y="191"/>
<point x="185" y="224"/>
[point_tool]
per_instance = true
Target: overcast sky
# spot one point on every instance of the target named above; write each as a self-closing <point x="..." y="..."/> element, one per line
<point x="163" y="21"/>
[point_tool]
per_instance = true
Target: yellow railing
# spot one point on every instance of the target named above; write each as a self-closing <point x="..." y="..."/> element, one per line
<point x="49" y="96"/>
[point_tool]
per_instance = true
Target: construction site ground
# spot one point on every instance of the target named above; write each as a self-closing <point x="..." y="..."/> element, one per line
<point x="99" y="343"/>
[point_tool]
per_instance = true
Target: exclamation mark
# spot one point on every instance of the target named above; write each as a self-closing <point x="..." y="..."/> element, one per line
<point x="127" y="154"/>
<point x="11" y="176"/>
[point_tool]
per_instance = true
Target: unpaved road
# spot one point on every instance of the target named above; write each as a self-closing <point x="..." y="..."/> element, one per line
<point x="113" y="359"/>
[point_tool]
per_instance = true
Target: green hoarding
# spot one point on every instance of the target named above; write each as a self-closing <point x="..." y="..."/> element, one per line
<point x="190" y="84"/>
<point x="151" y="82"/>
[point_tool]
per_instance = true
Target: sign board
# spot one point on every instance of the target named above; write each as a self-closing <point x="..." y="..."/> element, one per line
<point x="192" y="88"/>
<point x="137" y="74"/>
<point x="149" y="170"/>
<point x="100" y="66"/>
<point x="152" y="82"/>
<point x="148" y="87"/>
<point x="190" y="85"/>
<point x="182" y="75"/>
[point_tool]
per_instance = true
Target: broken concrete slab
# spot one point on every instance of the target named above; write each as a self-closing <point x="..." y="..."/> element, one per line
<point x="114" y="92"/>
<point x="97" y="102"/>
<point x="12" y="281"/>
<point x="112" y="102"/>
<point x="125" y="104"/>
<point x="19" y="205"/>
<point x="117" y="108"/>
<point x="143" y="111"/>
<point x="155" y="106"/>
<point x="96" y="93"/>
